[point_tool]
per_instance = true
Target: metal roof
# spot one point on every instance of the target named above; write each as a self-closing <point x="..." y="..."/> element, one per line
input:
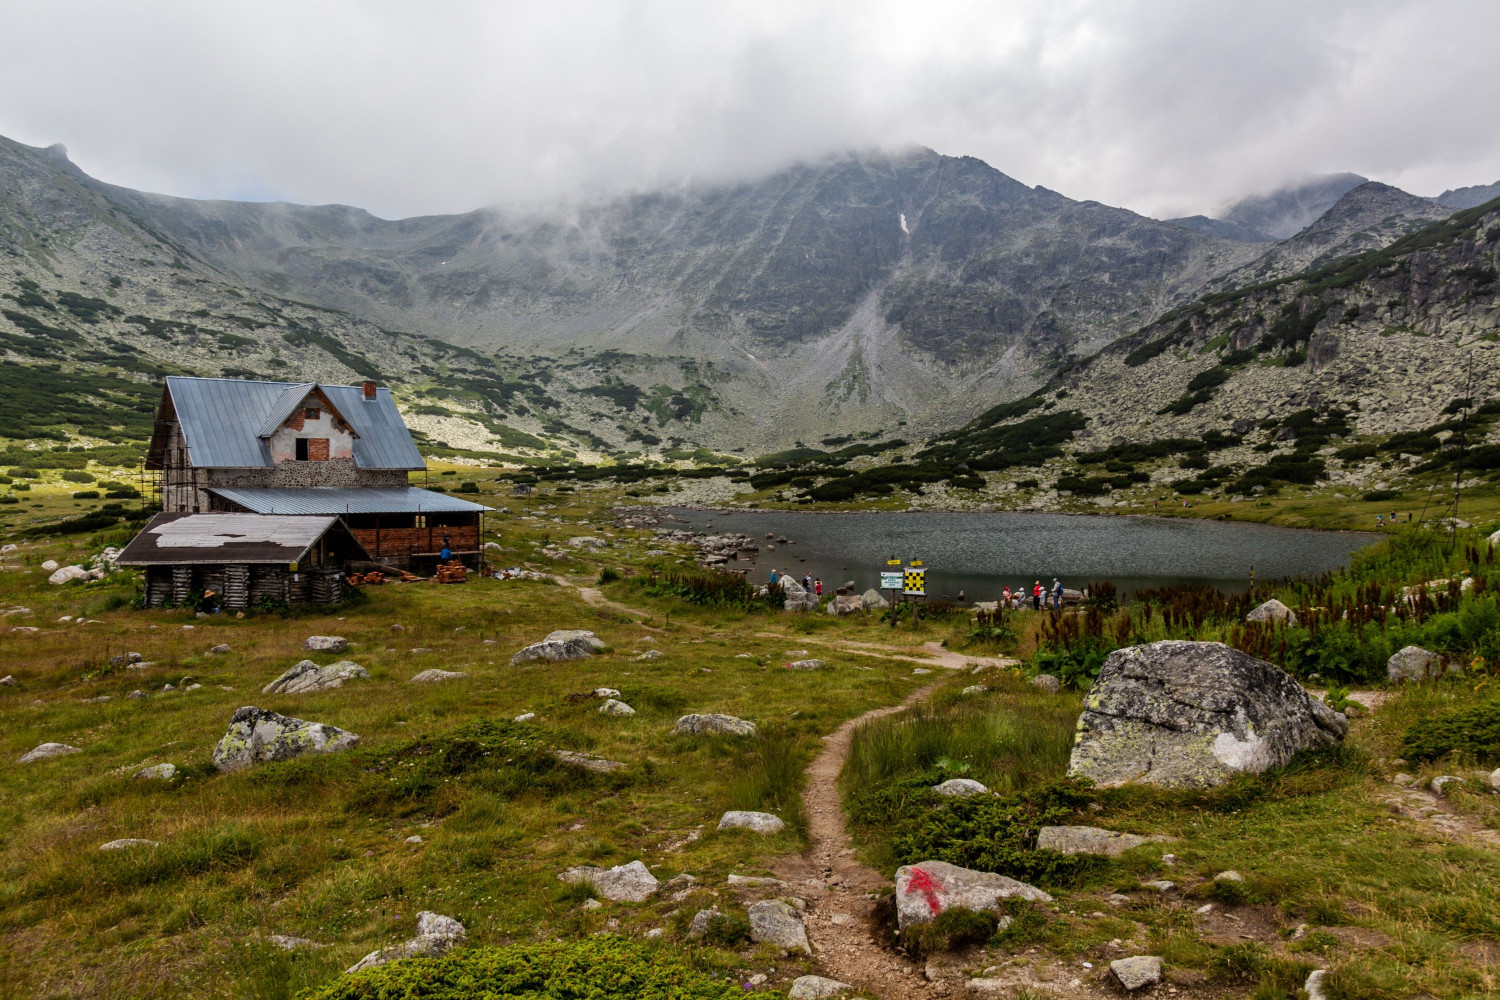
<point x="337" y="500"/>
<point x="222" y="418"/>
<point x="227" y="538"/>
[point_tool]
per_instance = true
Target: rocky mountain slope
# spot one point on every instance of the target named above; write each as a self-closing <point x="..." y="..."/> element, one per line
<point x="1278" y="215"/>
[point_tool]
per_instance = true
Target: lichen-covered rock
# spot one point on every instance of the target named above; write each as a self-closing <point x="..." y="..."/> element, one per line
<point x="325" y="644"/>
<point x="1191" y="714"/>
<point x="257" y="735"/>
<point x="1088" y="840"/>
<point x="846" y="604"/>
<point x="44" y="751"/>
<point x="307" y="676"/>
<point x="1273" y="611"/>
<point x="434" y="675"/>
<point x="157" y="772"/>
<point x="729" y="725"/>
<point x="778" y="924"/>
<point x="960" y="787"/>
<point x="805" y="665"/>
<point x="1136" y="972"/>
<point x="759" y="822"/>
<point x="632" y="883"/>
<point x="924" y="890"/>
<point x="816" y="987"/>
<point x="126" y="843"/>
<point x="560" y="646"/>
<point x="1413" y="663"/>
<point x="436" y="935"/>
<point x="614" y="706"/>
<point x="68" y="574"/>
<point x="873" y="601"/>
<point x="701" y="921"/>
<point x="1047" y="683"/>
<point x="587" y="761"/>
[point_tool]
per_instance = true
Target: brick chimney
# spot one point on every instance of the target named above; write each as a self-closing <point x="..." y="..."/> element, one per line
<point x="369" y="390"/>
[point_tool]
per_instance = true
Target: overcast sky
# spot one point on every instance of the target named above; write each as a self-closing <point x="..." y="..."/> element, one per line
<point x="1167" y="107"/>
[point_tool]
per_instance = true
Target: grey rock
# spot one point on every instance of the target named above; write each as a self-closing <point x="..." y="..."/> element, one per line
<point x="8" y="680"/>
<point x="1137" y="972"/>
<point x="560" y="646"/>
<point x="650" y="654"/>
<point x="1314" y="985"/>
<point x="778" y="924"/>
<point x="754" y="881"/>
<point x="924" y="890"/>
<point x="1494" y="779"/>
<point x="1242" y="426"/>
<point x="1047" y="683"/>
<point x="436" y="935"/>
<point x="758" y="822"/>
<point x="587" y="761"/>
<point x="220" y="649"/>
<point x="157" y="772"/>
<point x="256" y="735"/>
<point x="701" y="921"/>
<point x="873" y="600"/>
<point x="615" y="707"/>
<point x="525" y="717"/>
<point x="125" y="843"/>
<point x="974" y="689"/>
<point x="1159" y="885"/>
<point x="631" y="883"/>
<point x="325" y="644"/>
<point x="434" y="675"/>
<point x="45" y="751"/>
<point x="307" y="676"/>
<point x="576" y="635"/>
<point x="606" y="693"/>
<point x="846" y="604"/>
<point x="1413" y="663"/>
<point x="805" y="664"/>
<point x="1229" y="876"/>
<point x="796" y="597"/>
<point x="729" y="725"/>
<point x="137" y="693"/>
<point x="1088" y="840"/>
<point x="1439" y="785"/>
<point x="815" y="987"/>
<point x="287" y="942"/>
<point x="1190" y="714"/>
<point x="1272" y="611"/>
<point x="960" y="787"/>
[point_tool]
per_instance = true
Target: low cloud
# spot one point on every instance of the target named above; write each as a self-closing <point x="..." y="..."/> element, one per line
<point x="1167" y="107"/>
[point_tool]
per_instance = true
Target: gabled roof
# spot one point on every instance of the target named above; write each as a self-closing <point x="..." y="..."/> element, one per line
<point x="290" y="401"/>
<point x="222" y="419"/>
<point x="195" y="539"/>
<point x="337" y="500"/>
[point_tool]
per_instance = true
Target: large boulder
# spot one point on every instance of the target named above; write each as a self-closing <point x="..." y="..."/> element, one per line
<point x="759" y="822"/>
<point x="1413" y="663"/>
<point x="1136" y="972"/>
<point x="778" y="924"/>
<point x="797" y="598"/>
<point x="256" y="735"/>
<point x="715" y="723"/>
<point x="1191" y="714"/>
<point x="846" y="604"/>
<point x="564" y="644"/>
<point x="325" y="644"/>
<point x="436" y="935"/>
<point x="873" y="600"/>
<point x="1088" y="840"/>
<point x="1273" y="611"/>
<point x="67" y="574"/>
<point x="924" y="890"/>
<point x="632" y="883"/>
<point x="307" y="676"/>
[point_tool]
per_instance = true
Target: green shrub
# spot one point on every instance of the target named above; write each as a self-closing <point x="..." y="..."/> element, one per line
<point x="950" y="930"/>
<point x="594" y="968"/>
<point x="727" y="930"/>
<point x="1472" y="730"/>
<point x="86" y="495"/>
<point x="77" y="476"/>
<point x="1378" y="496"/>
<point x="608" y="575"/>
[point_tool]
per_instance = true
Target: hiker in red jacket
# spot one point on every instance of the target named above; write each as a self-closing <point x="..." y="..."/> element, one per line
<point x="1036" y="596"/>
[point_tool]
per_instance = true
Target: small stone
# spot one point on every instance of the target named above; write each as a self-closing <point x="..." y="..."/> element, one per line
<point x="325" y="644"/>
<point x="587" y="761"/>
<point x="434" y="676"/>
<point x="137" y="693"/>
<point x="1159" y="885"/>
<point x="220" y="649"/>
<point x="1117" y="899"/>
<point x="1273" y="611"/>
<point x="1205" y="909"/>
<point x="615" y="707"/>
<point x="606" y="693"/>
<point x="654" y="933"/>
<point x="1403" y="779"/>
<point x="525" y="717"/>
<point x="775" y="923"/>
<point x="286" y="942"/>
<point x="126" y="843"/>
<point x="960" y="787"/>
<point x="1442" y="781"/>
<point x="976" y="689"/>
<point x="415" y="838"/>
<point x="157" y="772"/>
<point x="813" y="987"/>
<point x="1229" y="876"/>
<point x="700" y="923"/>
<point x="1170" y="860"/>
<point x="921" y="670"/>
<point x="45" y="751"/>
<point x="753" y="881"/>
<point x="650" y="654"/>
<point x="1314" y="985"/>
<point x="436" y="935"/>
<point x="1047" y="683"/>
<point x="8" y="680"/>
<point x="631" y="883"/>
<point x="804" y="664"/>
<point x="1136" y="972"/>
<point x="591" y="904"/>
<point x="759" y="822"/>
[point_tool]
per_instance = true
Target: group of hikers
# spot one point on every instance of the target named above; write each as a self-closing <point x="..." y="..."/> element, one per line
<point x="1040" y="596"/>
<point x="809" y="584"/>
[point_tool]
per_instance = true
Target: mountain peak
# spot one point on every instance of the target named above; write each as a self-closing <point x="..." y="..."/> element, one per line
<point x="1279" y="214"/>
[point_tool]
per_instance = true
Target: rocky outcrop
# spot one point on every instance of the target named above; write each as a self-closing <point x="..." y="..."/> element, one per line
<point x="257" y="735"/>
<point x="1191" y="714"/>
<point x="436" y="935"/>
<point x="805" y="664"/>
<point x="1088" y="840"/>
<point x="846" y="604"/>
<point x="924" y="890"/>
<point x="44" y="751"/>
<point x="307" y="676"/>
<point x="715" y="723"/>
<point x="434" y="676"/>
<point x="560" y="646"/>
<point x="613" y="706"/>
<point x="796" y="598"/>
<point x="631" y="883"/>
<point x="1273" y="611"/>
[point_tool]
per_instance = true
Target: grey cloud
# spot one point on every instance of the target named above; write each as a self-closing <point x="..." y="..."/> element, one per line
<point x="1168" y="107"/>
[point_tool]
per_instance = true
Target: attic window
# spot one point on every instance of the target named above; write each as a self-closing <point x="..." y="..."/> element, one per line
<point x="312" y="413"/>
